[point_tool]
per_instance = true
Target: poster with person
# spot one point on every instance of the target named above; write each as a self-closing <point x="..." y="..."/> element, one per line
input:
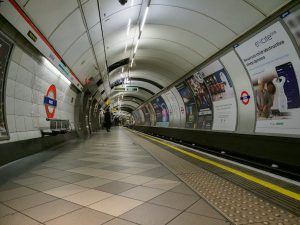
<point x="5" y="49"/>
<point x="161" y="111"/>
<point x="222" y="94"/>
<point x="203" y="100"/>
<point x="190" y="105"/>
<point x="274" y="68"/>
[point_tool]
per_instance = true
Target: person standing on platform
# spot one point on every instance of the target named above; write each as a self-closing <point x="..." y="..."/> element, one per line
<point x="107" y="120"/>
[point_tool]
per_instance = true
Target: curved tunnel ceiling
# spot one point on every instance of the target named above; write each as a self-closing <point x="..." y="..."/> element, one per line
<point x="177" y="36"/>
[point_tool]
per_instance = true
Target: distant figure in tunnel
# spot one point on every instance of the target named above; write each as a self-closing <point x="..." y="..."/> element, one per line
<point x="107" y="120"/>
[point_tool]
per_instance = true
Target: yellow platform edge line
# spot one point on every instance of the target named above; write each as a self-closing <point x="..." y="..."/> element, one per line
<point x="254" y="179"/>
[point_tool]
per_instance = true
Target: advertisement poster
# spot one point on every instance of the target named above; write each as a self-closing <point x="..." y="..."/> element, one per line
<point x="5" y="48"/>
<point x="274" y="68"/>
<point x="221" y="91"/>
<point x="203" y="100"/>
<point x="175" y="108"/>
<point x="146" y="116"/>
<point x="152" y="114"/>
<point x="161" y="111"/>
<point x="292" y="20"/>
<point x="190" y="105"/>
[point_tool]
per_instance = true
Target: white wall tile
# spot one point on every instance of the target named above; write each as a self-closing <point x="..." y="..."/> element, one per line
<point x="10" y="88"/>
<point x="11" y="123"/>
<point x="24" y="77"/>
<point x="27" y="62"/>
<point x="10" y="106"/>
<point x="20" y="123"/>
<point x="13" y="70"/>
<point x="19" y="91"/>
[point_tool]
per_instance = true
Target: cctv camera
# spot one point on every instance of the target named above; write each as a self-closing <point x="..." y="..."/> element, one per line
<point x="123" y="2"/>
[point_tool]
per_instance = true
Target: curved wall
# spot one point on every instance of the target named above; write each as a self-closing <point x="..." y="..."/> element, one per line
<point x="251" y="88"/>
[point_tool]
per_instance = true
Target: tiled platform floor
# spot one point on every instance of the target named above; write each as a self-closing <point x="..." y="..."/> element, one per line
<point x="107" y="179"/>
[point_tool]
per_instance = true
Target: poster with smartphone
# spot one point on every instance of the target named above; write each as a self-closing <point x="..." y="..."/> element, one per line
<point x="190" y="105"/>
<point x="161" y="112"/>
<point x="274" y="68"/>
<point x="203" y="101"/>
<point x="222" y="94"/>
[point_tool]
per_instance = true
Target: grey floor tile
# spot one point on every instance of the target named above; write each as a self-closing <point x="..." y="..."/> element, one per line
<point x="88" y="197"/>
<point x="4" y="210"/>
<point x="66" y="190"/>
<point x="74" y="178"/>
<point x="175" y="200"/>
<point x="8" y="186"/>
<point x="115" y="205"/>
<point x="31" y="180"/>
<point x="183" y="189"/>
<point x="47" y="185"/>
<point x="136" y="179"/>
<point x="29" y="201"/>
<point x="118" y="221"/>
<point x="157" y="172"/>
<point x="149" y="214"/>
<point x="51" y="210"/>
<point x="115" y="187"/>
<point x="18" y="219"/>
<point x="201" y="207"/>
<point x="93" y="182"/>
<point x="15" y="193"/>
<point x="194" y="219"/>
<point x="82" y="216"/>
<point x="170" y="177"/>
<point x="115" y="168"/>
<point x="142" y="193"/>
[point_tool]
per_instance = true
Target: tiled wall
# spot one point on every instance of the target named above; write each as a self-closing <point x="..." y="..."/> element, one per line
<point x="27" y="83"/>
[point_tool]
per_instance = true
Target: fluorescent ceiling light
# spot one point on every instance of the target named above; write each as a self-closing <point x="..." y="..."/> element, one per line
<point x="144" y="19"/>
<point x="56" y="71"/>
<point x="122" y="69"/>
<point x="126" y="47"/>
<point x="128" y="26"/>
<point x="136" y="46"/>
<point x="132" y="2"/>
<point x="131" y="62"/>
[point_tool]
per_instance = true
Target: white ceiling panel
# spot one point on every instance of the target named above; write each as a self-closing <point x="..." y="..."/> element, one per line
<point x="91" y="13"/>
<point x="120" y="20"/>
<point x="188" y="40"/>
<point x="68" y="32"/>
<point x="77" y="50"/>
<point x="48" y="14"/>
<point x="243" y="17"/>
<point x="268" y="7"/>
<point x="203" y="26"/>
<point x="95" y="33"/>
<point x="110" y="7"/>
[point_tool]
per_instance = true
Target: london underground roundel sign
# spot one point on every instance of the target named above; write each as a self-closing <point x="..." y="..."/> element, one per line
<point x="245" y="97"/>
<point x="50" y="101"/>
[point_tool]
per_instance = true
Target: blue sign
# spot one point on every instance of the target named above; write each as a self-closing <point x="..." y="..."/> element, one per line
<point x="50" y="101"/>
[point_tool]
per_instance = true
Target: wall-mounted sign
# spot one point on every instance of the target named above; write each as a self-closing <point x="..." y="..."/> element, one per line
<point x="245" y="97"/>
<point x="127" y="89"/>
<point x="50" y="101"/>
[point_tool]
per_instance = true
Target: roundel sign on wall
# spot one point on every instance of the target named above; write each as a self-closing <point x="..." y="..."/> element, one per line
<point x="50" y="101"/>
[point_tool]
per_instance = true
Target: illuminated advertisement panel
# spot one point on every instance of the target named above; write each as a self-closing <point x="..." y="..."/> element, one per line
<point x="161" y="111"/>
<point x="222" y="94"/>
<point x="274" y="68"/>
<point x="190" y="105"/>
<point x="203" y="100"/>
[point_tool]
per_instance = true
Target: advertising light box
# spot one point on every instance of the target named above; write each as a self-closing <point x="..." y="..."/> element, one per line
<point x="161" y="111"/>
<point x="222" y="94"/>
<point x="274" y="68"/>
<point x="190" y="105"/>
<point x="203" y="100"/>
